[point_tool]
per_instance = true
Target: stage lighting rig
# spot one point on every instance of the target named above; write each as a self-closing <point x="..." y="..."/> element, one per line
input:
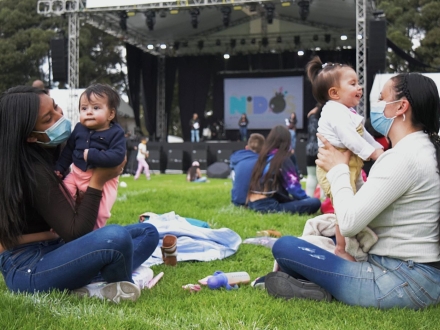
<point x="195" y="12"/>
<point x="270" y="10"/>
<point x="150" y="19"/>
<point x="226" y="11"/>
<point x="304" y="9"/>
<point x="123" y="20"/>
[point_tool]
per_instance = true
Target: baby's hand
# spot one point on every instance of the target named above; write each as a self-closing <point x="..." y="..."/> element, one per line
<point x="375" y="155"/>
<point x="86" y="152"/>
<point x="59" y="174"/>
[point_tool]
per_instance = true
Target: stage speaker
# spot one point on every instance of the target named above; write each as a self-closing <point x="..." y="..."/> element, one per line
<point x="223" y="155"/>
<point x="200" y="156"/>
<point x="219" y="170"/>
<point x="377" y="50"/>
<point x="175" y="157"/>
<point x="58" y="49"/>
<point x="154" y="159"/>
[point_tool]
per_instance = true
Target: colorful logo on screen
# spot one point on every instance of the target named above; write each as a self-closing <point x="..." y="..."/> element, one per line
<point x="258" y="104"/>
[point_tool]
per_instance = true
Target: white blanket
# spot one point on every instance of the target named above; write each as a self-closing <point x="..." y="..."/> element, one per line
<point x="193" y="243"/>
<point x="318" y="231"/>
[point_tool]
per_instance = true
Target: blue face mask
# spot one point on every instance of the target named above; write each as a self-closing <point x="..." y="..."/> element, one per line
<point x="57" y="133"/>
<point x="379" y="122"/>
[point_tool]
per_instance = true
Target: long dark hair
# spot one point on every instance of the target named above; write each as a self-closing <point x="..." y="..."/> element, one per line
<point x="278" y="138"/>
<point x="19" y="109"/>
<point x="422" y="94"/>
<point x="193" y="173"/>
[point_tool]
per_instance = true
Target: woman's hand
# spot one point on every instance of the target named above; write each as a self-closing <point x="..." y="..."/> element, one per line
<point x="103" y="174"/>
<point x="329" y="156"/>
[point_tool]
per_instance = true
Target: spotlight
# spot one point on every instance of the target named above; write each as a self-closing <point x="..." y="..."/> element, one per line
<point x="300" y="53"/>
<point x="304" y="9"/>
<point x="151" y="19"/>
<point x="200" y="44"/>
<point x="243" y="42"/>
<point x="265" y="41"/>
<point x="270" y="9"/>
<point x="123" y="20"/>
<point x="195" y="12"/>
<point x="327" y="38"/>
<point x="163" y="46"/>
<point x="226" y="11"/>
<point x="343" y="37"/>
<point x="150" y="47"/>
<point x="218" y="42"/>
<point x="315" y="37"/>
<point x="253" y="7"/>
<point x="226" y="56"/>
<point x="279" y="40"/>
<point x="232" y="43"/>
<point x="297" y="40"/>
<point x="176" y="45"/>
<point x="253" y="41"/>
<point x="162" y="13"/>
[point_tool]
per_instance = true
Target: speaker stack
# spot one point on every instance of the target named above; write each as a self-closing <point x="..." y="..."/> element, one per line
<point x="58" y="49"/>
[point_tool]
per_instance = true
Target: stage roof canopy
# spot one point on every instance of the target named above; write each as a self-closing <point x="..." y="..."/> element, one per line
<point x="193" y="27"/>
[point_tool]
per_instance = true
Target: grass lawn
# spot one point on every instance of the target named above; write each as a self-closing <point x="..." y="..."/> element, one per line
<point x="168" y="306"/>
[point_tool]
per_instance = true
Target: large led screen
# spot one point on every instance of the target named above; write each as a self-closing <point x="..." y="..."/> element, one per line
<point x="267" y="102"/>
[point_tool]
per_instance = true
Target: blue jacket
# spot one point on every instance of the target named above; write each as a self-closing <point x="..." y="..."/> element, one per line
<point x="106" y="148"/>
<point x="242" y="163"/>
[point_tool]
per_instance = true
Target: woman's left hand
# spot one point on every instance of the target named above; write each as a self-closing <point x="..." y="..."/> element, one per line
<point x="329" y="156"/>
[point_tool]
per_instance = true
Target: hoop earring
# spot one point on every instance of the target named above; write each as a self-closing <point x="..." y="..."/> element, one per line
<point x="403" y="117"/>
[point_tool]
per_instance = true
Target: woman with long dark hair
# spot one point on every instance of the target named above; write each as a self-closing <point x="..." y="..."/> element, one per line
<point x="47" y="240"/>
<point x="400" y="202"/>
<point x="275" y="185"/>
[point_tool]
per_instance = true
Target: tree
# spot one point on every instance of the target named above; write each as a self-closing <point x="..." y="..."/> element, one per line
<point x="24" y="42"/>
<point x="408" y="20"/>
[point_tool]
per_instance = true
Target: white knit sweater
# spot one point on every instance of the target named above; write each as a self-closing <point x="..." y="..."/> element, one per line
<point x="400" y="201"/>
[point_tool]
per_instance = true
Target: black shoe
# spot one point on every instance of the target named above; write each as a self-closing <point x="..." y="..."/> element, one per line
<point x="281" y="285"/>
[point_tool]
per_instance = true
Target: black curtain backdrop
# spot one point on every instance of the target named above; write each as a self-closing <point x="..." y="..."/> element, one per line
<point x="197" y="73"/>
<point x="170" y="80"/>
<point x="134" y="60"/>
<point x="194" y="83"/>
<point x="149" y="92"/>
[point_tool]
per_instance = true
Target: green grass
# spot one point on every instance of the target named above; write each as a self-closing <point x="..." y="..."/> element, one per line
<point x="168" y="306"/>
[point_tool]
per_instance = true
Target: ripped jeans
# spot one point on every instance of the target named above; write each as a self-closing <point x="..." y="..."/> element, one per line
<point x="112" y="251"/>
<point x="380" y="282"/>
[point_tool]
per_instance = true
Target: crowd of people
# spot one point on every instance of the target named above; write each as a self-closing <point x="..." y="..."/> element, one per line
<point x="53" y="232"/>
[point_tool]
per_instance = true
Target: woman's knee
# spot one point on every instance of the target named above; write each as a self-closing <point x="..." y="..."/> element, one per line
<point x="282" y="245"/>
<point x="150" y="231"/>
<point x="114" y="234"/>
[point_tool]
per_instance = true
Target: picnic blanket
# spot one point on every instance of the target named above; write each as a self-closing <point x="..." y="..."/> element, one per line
<point x="193" y="242"/>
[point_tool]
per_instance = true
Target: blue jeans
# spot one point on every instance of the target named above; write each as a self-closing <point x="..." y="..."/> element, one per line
<point x="195" y="135"/>
<point x="243" y="133"/>
<point x="380" y="282"/>
<point x="112" y="251"/>
<point x="271" y="205"/>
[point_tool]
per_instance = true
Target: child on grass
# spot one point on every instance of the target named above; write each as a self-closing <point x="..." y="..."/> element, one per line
<point x="96" y="141"/>
<point x="336" y="87"/>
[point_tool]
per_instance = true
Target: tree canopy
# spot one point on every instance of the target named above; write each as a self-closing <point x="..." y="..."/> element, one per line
<point x="409" y="20"/>
<point x="25" y="46"/>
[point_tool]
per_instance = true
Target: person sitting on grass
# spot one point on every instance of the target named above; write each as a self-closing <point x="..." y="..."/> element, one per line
<point x="194" y="174"/>
<point x="400" y="202"/>
<point x="242" y="164"/>
<point x="46" y="240"/>
<point x="274" y="185"/>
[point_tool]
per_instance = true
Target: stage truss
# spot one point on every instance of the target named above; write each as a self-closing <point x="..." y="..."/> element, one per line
<point x="107" y="19"/>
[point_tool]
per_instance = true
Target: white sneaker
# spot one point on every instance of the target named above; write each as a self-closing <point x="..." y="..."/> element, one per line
<point x="114" y="292"/>
<point x="142" y="276"/>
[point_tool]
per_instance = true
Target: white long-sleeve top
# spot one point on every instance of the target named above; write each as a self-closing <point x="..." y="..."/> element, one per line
<point x="338" y="125"/>
<point x="400" y="201"/>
